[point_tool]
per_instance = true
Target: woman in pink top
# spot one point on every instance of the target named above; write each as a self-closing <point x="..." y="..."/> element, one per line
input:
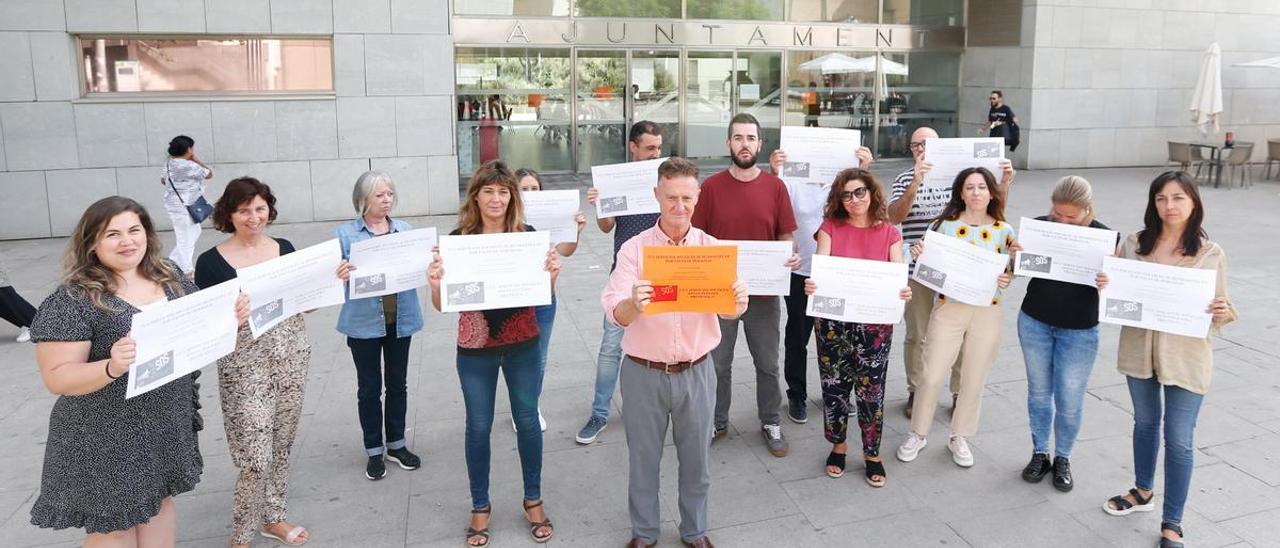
<point x="855" y="355"/>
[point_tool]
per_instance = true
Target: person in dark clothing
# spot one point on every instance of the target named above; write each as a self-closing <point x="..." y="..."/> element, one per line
<point x="15" y="309"/>
<point x="1002" y="122"/>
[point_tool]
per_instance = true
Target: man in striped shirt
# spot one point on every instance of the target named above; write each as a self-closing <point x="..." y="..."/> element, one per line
<point x="913" y="206"/>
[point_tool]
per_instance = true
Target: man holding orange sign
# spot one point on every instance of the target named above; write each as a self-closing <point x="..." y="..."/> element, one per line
<point x="666" y="377"/>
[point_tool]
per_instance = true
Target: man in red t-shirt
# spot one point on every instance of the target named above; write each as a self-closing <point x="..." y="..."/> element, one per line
<point x="746" y="203"/>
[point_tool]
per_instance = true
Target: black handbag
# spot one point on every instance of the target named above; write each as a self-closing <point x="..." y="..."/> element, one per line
<point x="199" y="210"/>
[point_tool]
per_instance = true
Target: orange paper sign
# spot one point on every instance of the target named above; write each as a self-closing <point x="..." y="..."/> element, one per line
<point x="691" y="279"/>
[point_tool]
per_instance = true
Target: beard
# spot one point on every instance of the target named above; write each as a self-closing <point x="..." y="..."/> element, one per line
<point x="747" y="163"/>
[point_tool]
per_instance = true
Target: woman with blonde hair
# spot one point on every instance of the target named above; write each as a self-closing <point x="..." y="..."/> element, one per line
<point x="854" y="357"/>
<point x="379" y="331"/>
<point x="112" y="465"/>
<point x="498" y="341"/>
<point x="1058" y="332"/>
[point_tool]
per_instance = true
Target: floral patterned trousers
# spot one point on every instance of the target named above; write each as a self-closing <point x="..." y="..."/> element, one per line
<point x="852" y="361"/>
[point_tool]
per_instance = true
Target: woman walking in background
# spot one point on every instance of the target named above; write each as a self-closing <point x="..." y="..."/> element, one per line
<point x="183" y="178"/>
<point x="14" y="309"/>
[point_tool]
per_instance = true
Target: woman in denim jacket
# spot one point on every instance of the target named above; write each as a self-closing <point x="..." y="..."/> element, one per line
<point x="379" y="330"/>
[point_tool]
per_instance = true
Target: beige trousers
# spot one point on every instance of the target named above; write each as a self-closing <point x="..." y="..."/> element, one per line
<point x="952" y="325"/>
<point x="917" y="313"/>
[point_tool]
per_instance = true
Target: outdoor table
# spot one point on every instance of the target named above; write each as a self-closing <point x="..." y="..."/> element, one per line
<point x="1215" y="161"/>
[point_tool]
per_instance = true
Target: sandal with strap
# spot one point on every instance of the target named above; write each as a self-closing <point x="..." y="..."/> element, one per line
<point x="290" y="538"/>
<point x="876" y="469"/>
<point x="836" y="460"/>
<point x="534" y="526"/>
<point x="1120" y="506"/>
<point x="1166" y="542"/>
<point x="483" y="532"/>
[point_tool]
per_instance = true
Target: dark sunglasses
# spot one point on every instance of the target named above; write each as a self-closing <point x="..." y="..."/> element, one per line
<point x="860" y="192"/>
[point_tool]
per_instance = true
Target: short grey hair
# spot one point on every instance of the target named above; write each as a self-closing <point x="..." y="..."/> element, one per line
<point x="365" y="185"/>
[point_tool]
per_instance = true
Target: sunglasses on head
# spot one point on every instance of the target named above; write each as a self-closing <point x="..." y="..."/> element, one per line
<point x="860" y="192"/>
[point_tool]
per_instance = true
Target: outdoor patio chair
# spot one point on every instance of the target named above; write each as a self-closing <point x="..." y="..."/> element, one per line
<point x="1238" y="158"/>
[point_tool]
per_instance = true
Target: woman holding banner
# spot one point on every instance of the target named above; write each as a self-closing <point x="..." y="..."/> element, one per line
<point x="853" y="357"/>
<point x="974" y="214"/>
<point x="1164" y="366"/>
<point x="498" y="340"/>
<point x="112" y="465"/>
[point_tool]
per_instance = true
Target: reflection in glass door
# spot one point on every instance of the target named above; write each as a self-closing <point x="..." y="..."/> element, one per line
<point x="708" y="89"/>
<point x="600" y="103"/>
<point x="655" y="94"/>
<point x="513" y="104"/>
<point x="759" y="81"/>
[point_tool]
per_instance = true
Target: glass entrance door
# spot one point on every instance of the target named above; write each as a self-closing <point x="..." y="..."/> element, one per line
<point x="600" y="103"/>
<point x="708" y="105"/>
<point x="655" y="94"/>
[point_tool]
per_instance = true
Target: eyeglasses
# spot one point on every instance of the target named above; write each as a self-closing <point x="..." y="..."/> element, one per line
<point x="860" y="193"/>
<point x="917" y="145"/>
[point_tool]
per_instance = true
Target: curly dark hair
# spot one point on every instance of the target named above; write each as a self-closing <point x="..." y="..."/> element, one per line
<point x="240" y="191"/>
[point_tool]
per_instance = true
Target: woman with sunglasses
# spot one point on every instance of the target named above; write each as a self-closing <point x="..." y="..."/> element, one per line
<point x="855" y="354"/>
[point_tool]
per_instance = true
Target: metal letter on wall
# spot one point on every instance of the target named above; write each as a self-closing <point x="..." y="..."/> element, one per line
<point x="596" y="32"/>
<point x="609" y="33"/>
<point x="518" y="31"/>
<point x="806" y="40"/>
<point x="669" y="33"/>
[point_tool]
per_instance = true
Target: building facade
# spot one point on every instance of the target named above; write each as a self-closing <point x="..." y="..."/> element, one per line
<point x="308" y="94"/>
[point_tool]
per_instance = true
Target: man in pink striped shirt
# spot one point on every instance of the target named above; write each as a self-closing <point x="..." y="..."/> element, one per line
<point x="666" y="377"/>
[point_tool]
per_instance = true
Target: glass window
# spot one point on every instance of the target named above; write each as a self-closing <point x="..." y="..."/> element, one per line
<point x="513" y="103"/>
<point x="743" y="10"/>
<point x="206" y="64"/>
<point x="948" y="13"/>
<point x="533" y="8"/>
<point x="831" y="89"/>
<point x="664" y="9"/>
<point x="840" y="11"/>
<point x="759" y="80"/>
<point x="920" y="89"/>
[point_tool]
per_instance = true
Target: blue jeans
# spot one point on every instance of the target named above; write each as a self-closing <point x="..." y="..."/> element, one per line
<point x="1059" y="362"/>
<point x="382" y="361"/>
<point x="546" y="316"/>
<point x="1181" y="407"/>
<point x="607" y="364"/>
<point x="479" y="378"/>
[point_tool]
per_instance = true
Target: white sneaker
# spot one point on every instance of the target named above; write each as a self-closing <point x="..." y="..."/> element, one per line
<point x="542" y="422"/>
<point x="960" y="452"/>
<point x="910" y="449"/>
<point x="24" y="335"/>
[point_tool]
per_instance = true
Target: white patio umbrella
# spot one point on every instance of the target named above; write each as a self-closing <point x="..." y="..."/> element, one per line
<point x="833" y="63"/>
<point x="1206" y="102"/>
<point x="1273" y="62"/>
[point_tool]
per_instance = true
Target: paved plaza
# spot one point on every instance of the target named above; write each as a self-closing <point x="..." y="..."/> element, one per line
<point x="756" y="500"/>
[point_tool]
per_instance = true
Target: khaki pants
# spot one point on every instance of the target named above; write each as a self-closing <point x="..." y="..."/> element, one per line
<point x="917" y="313"/>
<point x="953" y="324"/>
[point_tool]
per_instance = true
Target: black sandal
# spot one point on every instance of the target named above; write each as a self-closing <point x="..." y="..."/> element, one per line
<point x="837" y="460"/>
<point x="482" y="533"/>
<point x="1166" y="542"/>
<point x="535" y="525"/>
<point x="876" y="468"/>
<point x="1122" y="506"/>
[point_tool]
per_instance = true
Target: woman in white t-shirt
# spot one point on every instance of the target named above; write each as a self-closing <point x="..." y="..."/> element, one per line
<point x="183" y="177"/>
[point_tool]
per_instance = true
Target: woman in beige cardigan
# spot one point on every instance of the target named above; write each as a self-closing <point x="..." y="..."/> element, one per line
<point x="1162" y="364"/>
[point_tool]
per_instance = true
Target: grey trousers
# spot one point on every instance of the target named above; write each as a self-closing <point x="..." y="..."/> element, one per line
<point x="651" y="400"/>
<point x="761" y="324"/>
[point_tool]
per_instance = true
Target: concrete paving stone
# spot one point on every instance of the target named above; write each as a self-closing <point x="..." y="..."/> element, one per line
<point x="1220" y="492"/>
<point x="913" y="528"/>
<point x="956" y="493"/>
<point x="1143" y="529"/>
<point x="1258" y="528"/>
<point x="784" y="531"/>
<point x="1217" y="426"/>
<point x="741" y="499"/>
<point x="1038" y="525"/>
<point x="18" y="530"/>
<point x="828" y="502"/>
<point x="1256" y="456"/>
<point x="11" y="501"/>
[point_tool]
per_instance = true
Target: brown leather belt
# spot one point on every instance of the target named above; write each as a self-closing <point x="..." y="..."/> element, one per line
<point x="668" y="368"/>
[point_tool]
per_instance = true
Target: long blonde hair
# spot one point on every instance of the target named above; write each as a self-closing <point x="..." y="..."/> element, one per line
<point x="1075" y="190"/>
<point x="83" y="271"/>
<point x="493" y="172"/>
